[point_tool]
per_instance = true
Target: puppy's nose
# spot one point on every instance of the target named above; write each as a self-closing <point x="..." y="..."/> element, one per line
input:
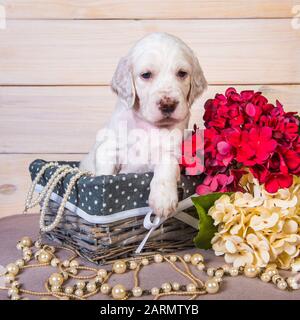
<point x="167" y="105"/>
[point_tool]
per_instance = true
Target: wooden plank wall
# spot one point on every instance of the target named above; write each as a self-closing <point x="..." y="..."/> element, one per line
<point x="57" y="59"/>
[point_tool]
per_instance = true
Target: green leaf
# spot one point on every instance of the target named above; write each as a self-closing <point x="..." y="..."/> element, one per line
<point x="206" y="222"/>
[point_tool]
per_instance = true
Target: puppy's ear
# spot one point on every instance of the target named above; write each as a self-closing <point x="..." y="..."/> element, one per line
<point x="122" y="82"/>
<point x="198" y="81"/>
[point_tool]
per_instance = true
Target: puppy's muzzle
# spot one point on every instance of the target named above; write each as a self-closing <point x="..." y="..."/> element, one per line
<point x="167" y="105"/>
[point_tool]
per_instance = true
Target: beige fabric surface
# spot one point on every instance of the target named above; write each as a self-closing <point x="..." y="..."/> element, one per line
<point x="14" y="227"/>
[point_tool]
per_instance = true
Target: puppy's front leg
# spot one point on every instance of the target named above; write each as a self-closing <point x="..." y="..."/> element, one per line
<point x="163" y="198"/>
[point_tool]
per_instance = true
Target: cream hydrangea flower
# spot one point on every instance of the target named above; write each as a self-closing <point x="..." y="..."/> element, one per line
<point x="258" y="227"/>
<point x="224" y="210"/>
<point x="237" y="252"/>
<point x="260" y="246"/>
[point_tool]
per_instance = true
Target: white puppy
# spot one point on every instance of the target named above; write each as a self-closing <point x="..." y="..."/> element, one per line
<point x="156" y="84"/>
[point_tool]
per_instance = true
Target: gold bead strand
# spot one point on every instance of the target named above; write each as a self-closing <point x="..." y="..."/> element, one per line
<point x="185" y="274"/>
<point x="85" y="268"/>
<point x="200" y="282"/>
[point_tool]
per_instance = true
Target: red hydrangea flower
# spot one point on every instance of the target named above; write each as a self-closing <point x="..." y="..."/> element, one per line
<point x="255" y="146"/>
<point x="275" y="181"/>
<point x="243" y="130"/>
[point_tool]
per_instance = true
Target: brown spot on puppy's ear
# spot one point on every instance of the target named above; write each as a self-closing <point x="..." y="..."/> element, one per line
<point x="136" y="105"/>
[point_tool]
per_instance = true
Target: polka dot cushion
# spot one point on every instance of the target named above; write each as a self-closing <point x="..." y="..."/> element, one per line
<point x="105" y="195"/>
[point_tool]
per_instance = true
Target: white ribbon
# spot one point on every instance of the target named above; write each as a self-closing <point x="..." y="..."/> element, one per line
<point x="157" y="221"/>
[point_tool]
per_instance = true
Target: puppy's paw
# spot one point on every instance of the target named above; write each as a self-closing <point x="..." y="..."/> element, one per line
<point x="163" y="198"/>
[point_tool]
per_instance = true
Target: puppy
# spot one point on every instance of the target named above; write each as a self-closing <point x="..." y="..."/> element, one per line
<point x="156" y="84"/>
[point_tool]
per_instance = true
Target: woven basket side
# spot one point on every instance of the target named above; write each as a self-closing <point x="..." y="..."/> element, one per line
<point x="102" y="243"/>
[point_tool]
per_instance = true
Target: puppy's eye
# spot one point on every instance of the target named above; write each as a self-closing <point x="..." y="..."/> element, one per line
<point x="146" y="75"/>
<point x="181" y="74"/>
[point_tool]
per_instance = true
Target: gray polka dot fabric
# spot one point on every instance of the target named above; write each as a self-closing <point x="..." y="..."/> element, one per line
<point x="105" y="195"/>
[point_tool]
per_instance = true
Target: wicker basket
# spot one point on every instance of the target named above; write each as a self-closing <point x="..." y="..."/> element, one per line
<point x="102" y="233"/>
